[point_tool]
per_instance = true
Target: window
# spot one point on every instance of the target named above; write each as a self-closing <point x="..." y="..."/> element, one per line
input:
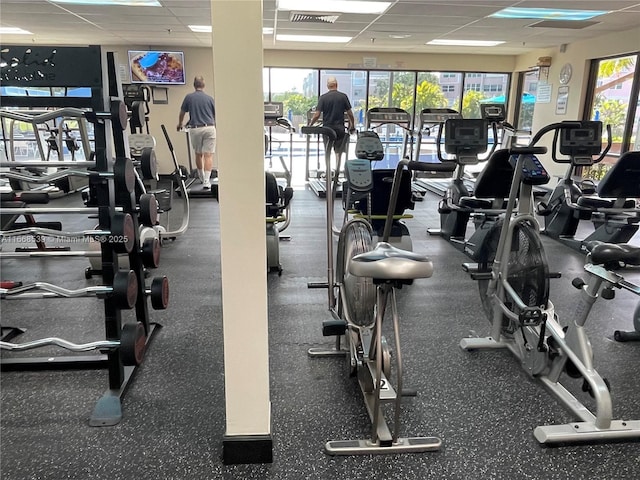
<point x="612" y="102"/>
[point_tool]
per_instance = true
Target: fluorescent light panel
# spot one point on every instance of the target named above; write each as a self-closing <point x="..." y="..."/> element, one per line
<point x="127" y="3"/>
<point x="312" y="38"/>
<point x="548" y="13"/>
<point x="466" y="43"/>
<point x="13" y="31"/>
<point x="208" y="29"/>
<point x="333" y="6"/>
<point x="200" y="28"/>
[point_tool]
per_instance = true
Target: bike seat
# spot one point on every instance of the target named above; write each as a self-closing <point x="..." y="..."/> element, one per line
<point x="386" y="262"/>
<point x="602" y="253"/>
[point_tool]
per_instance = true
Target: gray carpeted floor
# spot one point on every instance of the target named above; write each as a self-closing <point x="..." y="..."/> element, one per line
<point x="481" y="404"/>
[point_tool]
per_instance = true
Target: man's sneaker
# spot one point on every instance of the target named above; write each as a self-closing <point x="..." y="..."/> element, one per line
<point x="206" y="186"/>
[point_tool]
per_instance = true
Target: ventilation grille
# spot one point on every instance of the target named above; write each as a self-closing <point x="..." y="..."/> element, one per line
<point x="303" y="17"/>
<point x="575" y="25"/>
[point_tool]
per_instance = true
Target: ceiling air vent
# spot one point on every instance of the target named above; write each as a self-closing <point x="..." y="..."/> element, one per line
<point x="576" y="25"/>
<point x="304" y="17"/>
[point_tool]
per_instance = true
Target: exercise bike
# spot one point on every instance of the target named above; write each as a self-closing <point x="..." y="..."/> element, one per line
<point x="613" y="210"/>
<point x="360" y="290"/>
<point x="514" y="289"/>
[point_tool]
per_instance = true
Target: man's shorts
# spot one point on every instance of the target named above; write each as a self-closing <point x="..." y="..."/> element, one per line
<point x="342" y="140"/>
<point x="203" y="139"/>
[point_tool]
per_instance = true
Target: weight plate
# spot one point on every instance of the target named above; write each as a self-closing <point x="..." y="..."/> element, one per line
<point x="137" y="114"/>
<point x="122" y="236"/>
<point x="148" y="209"/>
<point x="151" y="253"/>
<point x="124" y="174"/>
<point x="160" y="293"/>
<point x="133" y="343"/>
<point x="125" y="289"/>
<point x="119" y="114"/>
<point x="149" y="163"/>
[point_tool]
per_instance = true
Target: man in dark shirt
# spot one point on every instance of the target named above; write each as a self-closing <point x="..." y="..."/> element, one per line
<point x="202" y="131"/>
<point x="333" y="105"/>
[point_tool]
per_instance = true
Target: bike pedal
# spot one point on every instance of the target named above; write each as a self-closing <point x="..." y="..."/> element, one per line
<point x="531" y="317"/>
<point x="332" y="328"/>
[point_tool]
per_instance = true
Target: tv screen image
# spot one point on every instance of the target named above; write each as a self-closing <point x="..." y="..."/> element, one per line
<point x="150" y="66"/>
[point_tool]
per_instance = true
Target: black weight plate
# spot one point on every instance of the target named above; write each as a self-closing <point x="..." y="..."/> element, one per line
<point x="124" y="174"/>
<point x="149" y="163"/>
<point x="122" y="235"/>
<point x="151" y="253"/>
<point x="160" y="293"/>
<point x="137" y="114"/>
<point x="133" y="343"/>
<point x="125" y="289"/>
<point x="119" y="114"/>
<point x="148" y="209"/>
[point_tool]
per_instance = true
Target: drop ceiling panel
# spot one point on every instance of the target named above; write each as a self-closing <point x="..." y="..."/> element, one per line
<point x="401" y="20"/>
<point x="440" y="10"/>
<point x="581" y="4"/>
<point x="139" y="21"/>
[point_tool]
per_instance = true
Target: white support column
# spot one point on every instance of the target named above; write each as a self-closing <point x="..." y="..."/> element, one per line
<point x="237" y="67"/>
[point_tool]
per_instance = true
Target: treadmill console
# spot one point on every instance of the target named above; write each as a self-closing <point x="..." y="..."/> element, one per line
<point x="582" y="143"/>
<point x="433" y="116"/>
<point x="493" y="112"/>
<point x="533" y="173"/>
<point x="383" y="115"/>
<point x="272" y="112"/>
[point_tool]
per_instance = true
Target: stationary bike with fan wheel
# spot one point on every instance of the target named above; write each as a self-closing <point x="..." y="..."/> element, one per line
<point x="513" y="277"/>
<point x="360" y="289"/>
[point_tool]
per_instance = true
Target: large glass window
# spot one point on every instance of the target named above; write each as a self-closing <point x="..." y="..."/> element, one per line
<point x="297" y="89"/>
<point x="527" y="103"/>
<point x="483" y="88"/>
<point x="612" y="100"/>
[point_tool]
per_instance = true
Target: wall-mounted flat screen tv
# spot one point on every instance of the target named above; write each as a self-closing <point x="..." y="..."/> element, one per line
<point x="159" y="67"/>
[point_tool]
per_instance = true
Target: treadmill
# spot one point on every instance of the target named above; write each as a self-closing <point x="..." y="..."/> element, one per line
<point x="274" y="118"/>
<point x="381" y="118"/>
<point x="430" y="120"/>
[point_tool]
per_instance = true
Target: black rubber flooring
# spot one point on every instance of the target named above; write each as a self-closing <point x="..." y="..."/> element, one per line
<point x="482" y="405"/>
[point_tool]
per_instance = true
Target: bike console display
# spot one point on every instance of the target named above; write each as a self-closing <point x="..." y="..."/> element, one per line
<point x="533" y="173"/>
<point x="582" y="142"/>
<point x="465" y="137"/>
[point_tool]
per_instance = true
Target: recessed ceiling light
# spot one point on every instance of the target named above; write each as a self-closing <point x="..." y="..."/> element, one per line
<point x="548" y="13"/>
<point x="466" y="43"/>
<point x="14" y="31"/>
<point x="127" y="3"/>
<point x="313" y="38"/>
<point x="267" y="31"/>
<point x="334" y="6"/>
<point x="200" y="28"/>
<point x="399" y="36"/>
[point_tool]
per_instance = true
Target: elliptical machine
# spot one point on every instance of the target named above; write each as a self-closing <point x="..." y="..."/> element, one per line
<point x="514" y="289"/>
<point x="360" y="289"/>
